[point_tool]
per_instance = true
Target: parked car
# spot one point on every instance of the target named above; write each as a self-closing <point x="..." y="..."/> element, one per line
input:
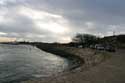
<point x="110" y="48"/>
<point x="99" y="47"/>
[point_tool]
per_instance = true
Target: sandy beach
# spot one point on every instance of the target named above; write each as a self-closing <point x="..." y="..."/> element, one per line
<point x="99" y="67"/>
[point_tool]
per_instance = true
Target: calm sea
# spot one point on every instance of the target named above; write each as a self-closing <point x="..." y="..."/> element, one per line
<point x="23" y="62"/>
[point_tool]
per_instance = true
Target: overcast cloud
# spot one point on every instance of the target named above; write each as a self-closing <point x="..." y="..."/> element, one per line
<point x="60" y="20"/>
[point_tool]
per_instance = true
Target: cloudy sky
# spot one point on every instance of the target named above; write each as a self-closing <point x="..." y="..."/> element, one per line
<point x="60" y="20"/>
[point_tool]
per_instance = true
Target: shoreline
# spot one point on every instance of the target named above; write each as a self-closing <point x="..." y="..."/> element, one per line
<point x="84" y="59"/>
<point x="88" y="59"/>
<point x="77" y="61"/>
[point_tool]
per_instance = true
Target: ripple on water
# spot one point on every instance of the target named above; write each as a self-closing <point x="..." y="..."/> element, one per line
<point x="23" y="62"/>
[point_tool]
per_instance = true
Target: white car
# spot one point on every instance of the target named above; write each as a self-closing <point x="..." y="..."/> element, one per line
<point x="99" y="47"/>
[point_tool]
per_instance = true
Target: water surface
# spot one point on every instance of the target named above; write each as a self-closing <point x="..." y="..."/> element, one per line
<point x="23" y="62"/>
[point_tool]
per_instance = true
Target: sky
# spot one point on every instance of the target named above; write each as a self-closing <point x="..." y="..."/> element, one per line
<point x="59" y="20"/>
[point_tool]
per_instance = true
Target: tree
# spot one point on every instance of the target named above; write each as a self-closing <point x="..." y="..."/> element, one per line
<point x="84" y="39"/>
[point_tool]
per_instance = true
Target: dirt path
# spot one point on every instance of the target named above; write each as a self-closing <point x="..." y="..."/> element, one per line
<point x="110" y="71"/>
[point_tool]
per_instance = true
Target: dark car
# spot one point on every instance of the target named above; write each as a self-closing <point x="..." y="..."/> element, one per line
<point x="110" y="48"/>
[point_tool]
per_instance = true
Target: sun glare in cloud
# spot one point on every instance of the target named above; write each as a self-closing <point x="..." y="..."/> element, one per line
<point x="46" y="21"/>
<point x="6" y="39"/>
<point x="66" y="39"/>
<point x="2" y="33"/>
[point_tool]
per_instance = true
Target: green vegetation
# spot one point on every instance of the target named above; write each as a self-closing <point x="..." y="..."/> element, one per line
<point x="85" y="40"/>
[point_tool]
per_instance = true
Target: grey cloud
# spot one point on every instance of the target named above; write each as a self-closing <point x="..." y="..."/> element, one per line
<point x="102" y="13"/>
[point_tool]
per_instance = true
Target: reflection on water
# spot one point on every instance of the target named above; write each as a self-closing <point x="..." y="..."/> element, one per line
<point x="22" y="62"/>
